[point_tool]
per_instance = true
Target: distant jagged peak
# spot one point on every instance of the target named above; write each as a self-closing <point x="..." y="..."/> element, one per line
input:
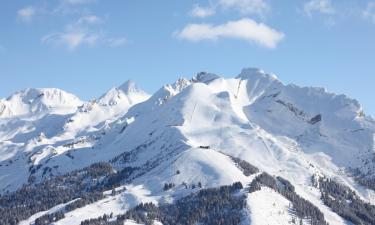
<point x="25" y="95"/>
<point x="38" y="101"/>
<point x="319" y="97"/>
<point x="130" y="86"/>
<point x="172" y="89"/>
<point x="167" y="91"/>
<point x="178" y="86"/>
<point x="256" y="73"/>
<point x="204" y="77"/>
<point x="128" y="93"/>
<point x="29" y="95"/>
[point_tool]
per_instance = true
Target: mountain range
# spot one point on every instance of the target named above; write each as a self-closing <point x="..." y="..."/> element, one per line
<point x="203" y="150"/>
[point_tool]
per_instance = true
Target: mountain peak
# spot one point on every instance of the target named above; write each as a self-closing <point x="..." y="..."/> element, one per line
<point x="39" y="100"/>
<point x="256" y="73"/>
<point x="129" y="86"/>
<point x="205" y="77"/>
<point x="128" y="93"/>
<point x="191" y="135"/>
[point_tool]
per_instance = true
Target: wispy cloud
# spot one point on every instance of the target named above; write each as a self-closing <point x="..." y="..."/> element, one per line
<point x="82" y="33"/>
<point x="202" y="12"/>
<point x="369" y="12"/>
<point x="26" y="14"/>
<point x="319" y="6"/>
<point x="247" y="7"/>
<point x="244" y="7"/>
<point x="87" y="29"/>
<point x="244" y="29"/>
<point x="61" y="8"/>
<point x="78" y="2"/>
<point x="116" y="42"/>
<point x="75" y="39"/>
<point x="72" y="39"/>
<point x="90" y="19"/>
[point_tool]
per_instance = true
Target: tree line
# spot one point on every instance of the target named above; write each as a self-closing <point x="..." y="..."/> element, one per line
<point x="85" y="185"/>
<point x="345" y="202"/>
<point x="302" y="208"/>
<point x="212" y="206"/>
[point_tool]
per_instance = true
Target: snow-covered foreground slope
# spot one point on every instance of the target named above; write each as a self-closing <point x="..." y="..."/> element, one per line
<point x="183" y="139"/>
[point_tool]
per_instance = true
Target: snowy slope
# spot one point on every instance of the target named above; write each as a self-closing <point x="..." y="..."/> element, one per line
<point x="107" y="108"/>
<point x="36" y="102"/>
<point x="192" y="126"/>
<point x="61" y="123"/>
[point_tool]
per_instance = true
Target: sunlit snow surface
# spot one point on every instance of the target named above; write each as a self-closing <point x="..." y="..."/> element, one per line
<point x="284" y="130"/>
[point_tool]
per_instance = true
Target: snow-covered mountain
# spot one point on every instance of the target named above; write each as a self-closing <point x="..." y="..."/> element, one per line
<point x="295" y="155"/>
<point x="37" y="102"/>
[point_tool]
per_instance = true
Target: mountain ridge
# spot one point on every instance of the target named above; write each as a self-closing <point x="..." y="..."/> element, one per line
<point x="188" y="133"/>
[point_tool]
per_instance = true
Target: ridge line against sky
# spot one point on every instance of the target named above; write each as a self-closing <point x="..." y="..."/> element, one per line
<point x="100" y="43"/>
<point x="98" y="95"/>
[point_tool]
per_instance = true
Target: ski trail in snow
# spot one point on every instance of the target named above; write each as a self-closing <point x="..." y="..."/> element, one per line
<point x="192" y="114"/>
<point x="251" y="93"/>
<point x="265" y="144"/>
<point x="238" y="88"/>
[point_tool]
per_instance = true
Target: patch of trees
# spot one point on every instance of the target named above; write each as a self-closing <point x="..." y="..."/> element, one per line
<point x="33" y="169"/>
<point x="302" y="208"/>
<point x="115" y="179"/>
<point x="69" y="155"/>
<point x="246" y="167"/>
<point x="84" y="199"/>
<point x="369" y="182"/>
<point x="49" y="218"/>
<point x="213" y="206"/>
<point x="102" y="220"/>
<point x="168" y="186"/>
<point x="99" y="169"/>
<point x="86" y="185"/>
<point x="345" y="202"/>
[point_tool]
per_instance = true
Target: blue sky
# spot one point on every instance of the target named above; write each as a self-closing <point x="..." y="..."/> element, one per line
<point x="89" y="46"/>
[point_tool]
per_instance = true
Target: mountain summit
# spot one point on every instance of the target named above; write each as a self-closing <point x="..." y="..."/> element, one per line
<point x="126" y="94"/>
<point x="205" y="150"/>
<point x="32" y="102"/>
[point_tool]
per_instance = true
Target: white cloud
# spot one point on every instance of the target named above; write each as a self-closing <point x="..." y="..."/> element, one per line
<point x="245" y="29"/>
<point x="321" y="6"/>
<point x="78" y="2"/>
<point x="259" y="7"/>
<point x="77" y="35"/>
<point x="369" y="12"/>
<point x="72" y="39"/>
<point x="26" y="14"/>
<point x="90" y="19"/>
<point x="85" y="30"/>
<point x="202" y="12"/>
<point x="71" y="7"/>
<point x="116" y="42"/>
<point x="82" y="32"/>
<point x="244" y="7"/>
